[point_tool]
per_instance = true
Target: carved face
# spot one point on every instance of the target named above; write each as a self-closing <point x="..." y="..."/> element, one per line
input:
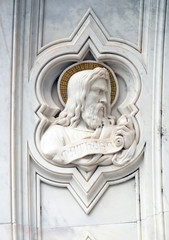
<point x="95" y="108"/>
<point x="98" y="95"/>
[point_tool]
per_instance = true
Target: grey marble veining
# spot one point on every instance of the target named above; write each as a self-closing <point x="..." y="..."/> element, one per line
<point x="122" y="18"/>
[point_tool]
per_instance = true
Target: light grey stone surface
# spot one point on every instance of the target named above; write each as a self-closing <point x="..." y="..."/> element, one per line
<point x="6" y="17"/>
<point x="6" y="231"/>
<point x="96" y="232"/>
<point x="39" y="200"/>
<point x="165" y="129"/>
<point x="120" y="15"/>
<point x="118" y="205"/>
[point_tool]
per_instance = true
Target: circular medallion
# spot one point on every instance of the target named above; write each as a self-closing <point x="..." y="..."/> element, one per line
<point x="86" y="65"/>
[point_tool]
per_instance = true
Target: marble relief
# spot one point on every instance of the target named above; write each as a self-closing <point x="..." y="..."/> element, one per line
<point x="84" y="120"/>
<point x="85" y="134"/>
<point x="88" y="131"/>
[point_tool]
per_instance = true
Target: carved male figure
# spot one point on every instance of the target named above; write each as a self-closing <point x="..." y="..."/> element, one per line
<point x="85" y="134"/>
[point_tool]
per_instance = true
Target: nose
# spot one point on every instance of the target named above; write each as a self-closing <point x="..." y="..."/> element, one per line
<point x="103" y="98"/>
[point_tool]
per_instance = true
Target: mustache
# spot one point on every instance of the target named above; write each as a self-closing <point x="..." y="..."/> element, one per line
<point x="91" y="115"/>
<point x="101" y="106"/>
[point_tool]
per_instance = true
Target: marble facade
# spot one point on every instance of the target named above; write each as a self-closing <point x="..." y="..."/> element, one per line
<point x="39" y="40"/>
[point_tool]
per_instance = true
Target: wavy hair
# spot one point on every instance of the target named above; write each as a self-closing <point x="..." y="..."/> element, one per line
<point x="78" y="87"/>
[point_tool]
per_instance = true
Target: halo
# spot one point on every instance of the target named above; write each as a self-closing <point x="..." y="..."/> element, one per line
<point x="87" y="65"/>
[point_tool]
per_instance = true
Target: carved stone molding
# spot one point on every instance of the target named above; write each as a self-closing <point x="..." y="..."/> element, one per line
<point x="139" y="70"/>
<point x="89" y="42"/>
<point x="89" y="237"/>
<point x="41" y="176"/>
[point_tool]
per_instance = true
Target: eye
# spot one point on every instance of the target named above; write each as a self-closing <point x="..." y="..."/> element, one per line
<point x="96" y="91"/>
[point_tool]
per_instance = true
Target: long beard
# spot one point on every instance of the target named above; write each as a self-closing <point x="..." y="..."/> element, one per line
<point x="93" y="115"/>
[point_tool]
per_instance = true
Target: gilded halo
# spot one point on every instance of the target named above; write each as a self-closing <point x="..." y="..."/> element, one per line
<point x="86" y="65"/>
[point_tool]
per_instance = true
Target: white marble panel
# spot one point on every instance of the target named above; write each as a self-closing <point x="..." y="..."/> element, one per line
<point x="166" y="228"/>
<point x="121" y="21"/>
<point x="5" y="53"/>
<point x="165" y="129"/>
<point x="121" y="231"/>
<point x="115" y="216"/>
<point x="5" y="231"/>
<point x="60" y="209"/>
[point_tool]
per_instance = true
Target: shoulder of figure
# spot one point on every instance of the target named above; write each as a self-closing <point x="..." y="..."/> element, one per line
<point x="54" y="130"/>
<point x="55" y="127"/>
<point x="52" y="137"/>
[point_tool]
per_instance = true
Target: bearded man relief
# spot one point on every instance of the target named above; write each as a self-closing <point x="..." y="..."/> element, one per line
<point x="85" y="134"/>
